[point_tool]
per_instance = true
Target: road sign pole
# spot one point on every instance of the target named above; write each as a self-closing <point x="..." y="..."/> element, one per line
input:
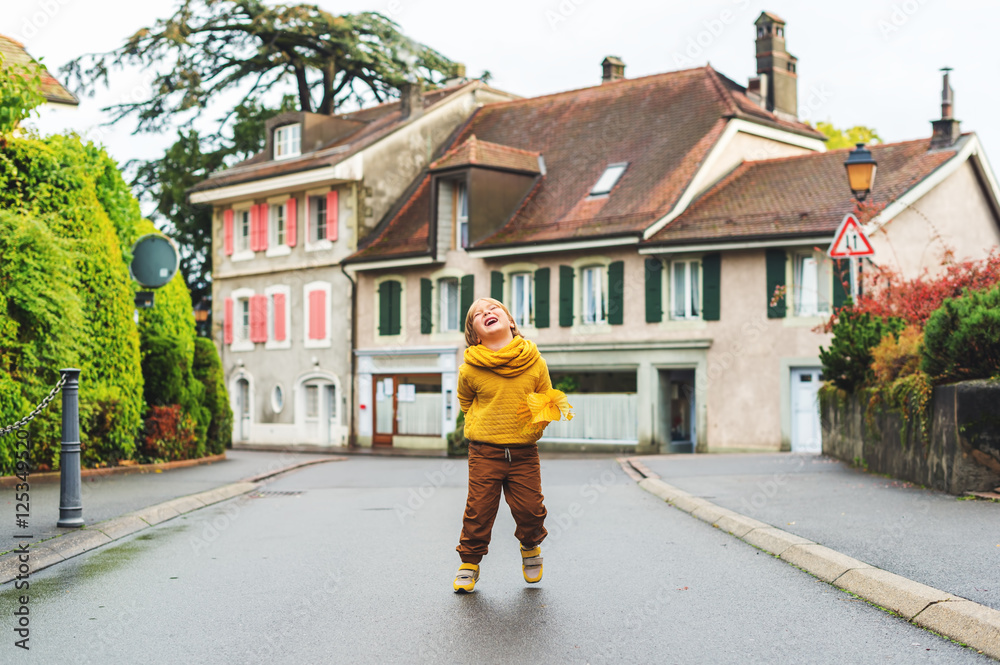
<point x="854" y="279"/>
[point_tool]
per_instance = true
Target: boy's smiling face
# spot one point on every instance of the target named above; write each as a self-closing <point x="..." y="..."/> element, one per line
<point x="491" y="323"/>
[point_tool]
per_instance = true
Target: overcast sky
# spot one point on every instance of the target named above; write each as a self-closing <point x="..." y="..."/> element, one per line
<point x="870" y="62"/>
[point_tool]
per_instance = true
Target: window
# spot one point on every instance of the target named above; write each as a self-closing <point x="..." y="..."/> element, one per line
<point x="243" y="230"/>
<point x="594" y="294"/>
<point x="317" y="229"/>
<point x="312" y="402"/>
<point x="390" y="307"/>
<point x="686" y="291"/>
<point x="278" y="317"/>
<point x="242" y="331"/>
<point x="287" y="141"/>
<point x="317" y="305"/>
<point x="520" y="298"/>
<point x="279" y="224"/>
<point x="608" y="179"/>
<point x="448" y="296"/>
<point x="461" y="215"/>
<point x="808" y="297"/>
<point x="277" y="399"/>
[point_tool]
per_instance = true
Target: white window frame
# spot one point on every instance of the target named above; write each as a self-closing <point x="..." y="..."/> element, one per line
<point x="602" y="289"/>
<point x="579" y="265"/>
<point x="274" y="205"/>
<point x="288" y="141"/>
<point x="824" y="285"/>
<point x="241" y="253"/>
<point x="322" y="244"/>
<point x="241" y="342"/>
<point x="441" y="304"/>
<point x="461" y="189"/>
<point x="525" y="299"/>
<point x="403" y="313"/>
<point x="275" y="406"/>
<point x="326" y="342"/>
<point x="610" y="177"/>
<point x="509" y="271"/>
<point x="688" y="314"/>
<point x="271" y="343"/>
<point x="437" y="328"/>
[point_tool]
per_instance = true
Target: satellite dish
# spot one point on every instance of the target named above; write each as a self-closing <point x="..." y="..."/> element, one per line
<point x="154" y="260"/>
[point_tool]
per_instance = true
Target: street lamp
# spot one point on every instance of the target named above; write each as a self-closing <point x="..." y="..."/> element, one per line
<point x="201" y="312"/>
<point x="860" y="171"/>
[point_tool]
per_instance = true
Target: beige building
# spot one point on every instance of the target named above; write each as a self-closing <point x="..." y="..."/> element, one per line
<point x="283" y="222"/>
<point x="663" y="241"/>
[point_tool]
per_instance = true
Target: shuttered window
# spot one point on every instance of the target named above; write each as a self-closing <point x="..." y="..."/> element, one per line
<point x="227" y="322"/>
<point x="594" y="296"/>
<point x="654" y="291"/>
<point x="448" y="304"/>
<point x="566" y="296"/>
<point x="711" y="266"/>
<point x="616" y="293"/>
<point x="389" y="307"/>
<point x="317" y="314"/>
<point x="291" y="210"/>
<point x="278" y="317"/>
<point x="227" y="231"/>
<point x="258" y="318"/>
<point x="331" y="215"/>
<point x="496" y="285"/>
<point x="775" y="260"/>
<point x="542" y="298"/>
<point x="426" y="306"/>
<point x="841" y="282"/>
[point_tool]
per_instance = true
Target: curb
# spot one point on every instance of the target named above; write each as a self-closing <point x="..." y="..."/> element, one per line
<point x="964" y="621"/>
<point x="54" y="476"/>
<point x="55" y="550"/>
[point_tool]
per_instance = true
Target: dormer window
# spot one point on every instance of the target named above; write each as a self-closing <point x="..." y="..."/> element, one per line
<point x="608" y="179"/>
<point x="288" y="141"/>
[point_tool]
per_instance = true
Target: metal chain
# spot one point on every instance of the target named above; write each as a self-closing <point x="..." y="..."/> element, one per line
<point x="38" y="409"/>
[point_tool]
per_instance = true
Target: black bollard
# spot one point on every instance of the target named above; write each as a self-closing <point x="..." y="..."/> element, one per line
<point x="70" y="503"/>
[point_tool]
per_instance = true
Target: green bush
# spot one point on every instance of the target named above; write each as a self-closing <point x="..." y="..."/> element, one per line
<point x="962" y="338"/>
<point x="169" y="381"/>
<point x="847" y="363"/>
<point x="67" y="184"/>
<point x="457" y="443"/>
<point x="208" y="370"/>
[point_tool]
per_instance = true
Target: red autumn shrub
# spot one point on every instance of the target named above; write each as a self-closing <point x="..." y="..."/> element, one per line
<point x="168" y="435"/>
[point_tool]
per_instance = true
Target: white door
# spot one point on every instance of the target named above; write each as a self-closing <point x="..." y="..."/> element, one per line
<point x="243" y="408"/>
<point x="806" y="437"/>
<point x="330" y="415"/>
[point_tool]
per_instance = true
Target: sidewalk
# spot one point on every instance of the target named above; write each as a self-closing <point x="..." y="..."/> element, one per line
<point x="923" y="535"/>
<point x="107" y="497"/>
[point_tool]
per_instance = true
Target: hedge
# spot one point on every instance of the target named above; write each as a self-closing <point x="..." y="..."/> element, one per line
<point x="208" y="370"/>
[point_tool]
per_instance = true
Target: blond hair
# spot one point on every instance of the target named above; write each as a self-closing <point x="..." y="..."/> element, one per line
<point x="470" y="336"/>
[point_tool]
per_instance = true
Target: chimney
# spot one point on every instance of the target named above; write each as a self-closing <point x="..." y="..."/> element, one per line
<point x="411" y="99"/>
<point x="613" y="69"/>
<point x="779" y="91"/>
<point x="946" y="130"/>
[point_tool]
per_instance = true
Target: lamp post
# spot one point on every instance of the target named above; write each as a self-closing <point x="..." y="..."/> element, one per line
<point x="201" y="312"/>
<point x="861" y="167"/>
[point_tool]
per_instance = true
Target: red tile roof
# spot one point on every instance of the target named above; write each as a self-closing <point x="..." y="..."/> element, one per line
<point x="379" y="121"/>
<point x="663" y="126"/>
<point x="407" y="231"/>
<point x="795" y="196"/>
<point x="14" y="54"/>
<point x="482" y="153"/>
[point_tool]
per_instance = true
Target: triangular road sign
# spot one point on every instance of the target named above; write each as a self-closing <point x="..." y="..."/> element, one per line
<point x="850" y="240"/>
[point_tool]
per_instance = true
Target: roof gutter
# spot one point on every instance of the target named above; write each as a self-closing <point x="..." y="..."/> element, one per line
<point x="819" y="240"/>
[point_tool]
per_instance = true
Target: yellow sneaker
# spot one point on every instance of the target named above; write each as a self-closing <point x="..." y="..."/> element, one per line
<point x="465" y="580"/>
<point x="531" y="564"/>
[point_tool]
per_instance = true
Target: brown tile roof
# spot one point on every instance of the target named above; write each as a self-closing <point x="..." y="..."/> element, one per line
<point x="378" y="121"/>
<point x="474" y="152"/>
<point x="795" y="196"/>
<point x="407" y="232"/>
<point x="663" y="126"/>
<point x="14" y="54"/>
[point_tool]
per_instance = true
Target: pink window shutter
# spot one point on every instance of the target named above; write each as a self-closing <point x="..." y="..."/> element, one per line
<point x="227" y="322"/>
<point x="290" y="231"/>
<point x="258" y="319"/>
<point x="253" y="228"/>
<point x="279" y="317"/>
<point x="227" y="231"/>
<point x="317" y="315"/>
<point x="264" y="224"/>
<point x="331" y="215"/>
<point x="305" y="218"/>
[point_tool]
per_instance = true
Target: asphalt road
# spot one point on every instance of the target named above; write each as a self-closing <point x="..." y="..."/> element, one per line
<point x="358" y="569"/>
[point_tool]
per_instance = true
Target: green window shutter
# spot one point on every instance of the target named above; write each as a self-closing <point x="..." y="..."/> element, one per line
<point x="654" y="290"/>
<point x="775" y="278"/>
<point x="468" y="290"/>
<point x="711" y="280"/>
<point x="384" y="307"/>
<point x="565" y="296"/>
<point x="426" y="321"/>
<point x="841" y="283"/>
<point x="542" y="298"/>
<point x="616" y="293"/>
<point x="496" y="285"/>
<point x="395" y="308"/>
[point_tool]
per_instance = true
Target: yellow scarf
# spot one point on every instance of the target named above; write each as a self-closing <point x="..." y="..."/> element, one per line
<point x="511" y="360"/>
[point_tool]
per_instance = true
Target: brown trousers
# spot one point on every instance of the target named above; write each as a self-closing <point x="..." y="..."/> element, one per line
<point x="517" y="472"/>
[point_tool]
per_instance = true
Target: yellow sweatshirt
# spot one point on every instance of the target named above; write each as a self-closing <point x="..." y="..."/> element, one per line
<point x="494" y="385"/>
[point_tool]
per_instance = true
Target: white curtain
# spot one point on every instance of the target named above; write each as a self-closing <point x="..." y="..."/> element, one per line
<point x="599" y="417"/>
<point x="422" y="416"/>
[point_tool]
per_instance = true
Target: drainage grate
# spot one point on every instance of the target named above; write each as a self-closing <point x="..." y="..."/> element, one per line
<point x="269" y="493"/>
